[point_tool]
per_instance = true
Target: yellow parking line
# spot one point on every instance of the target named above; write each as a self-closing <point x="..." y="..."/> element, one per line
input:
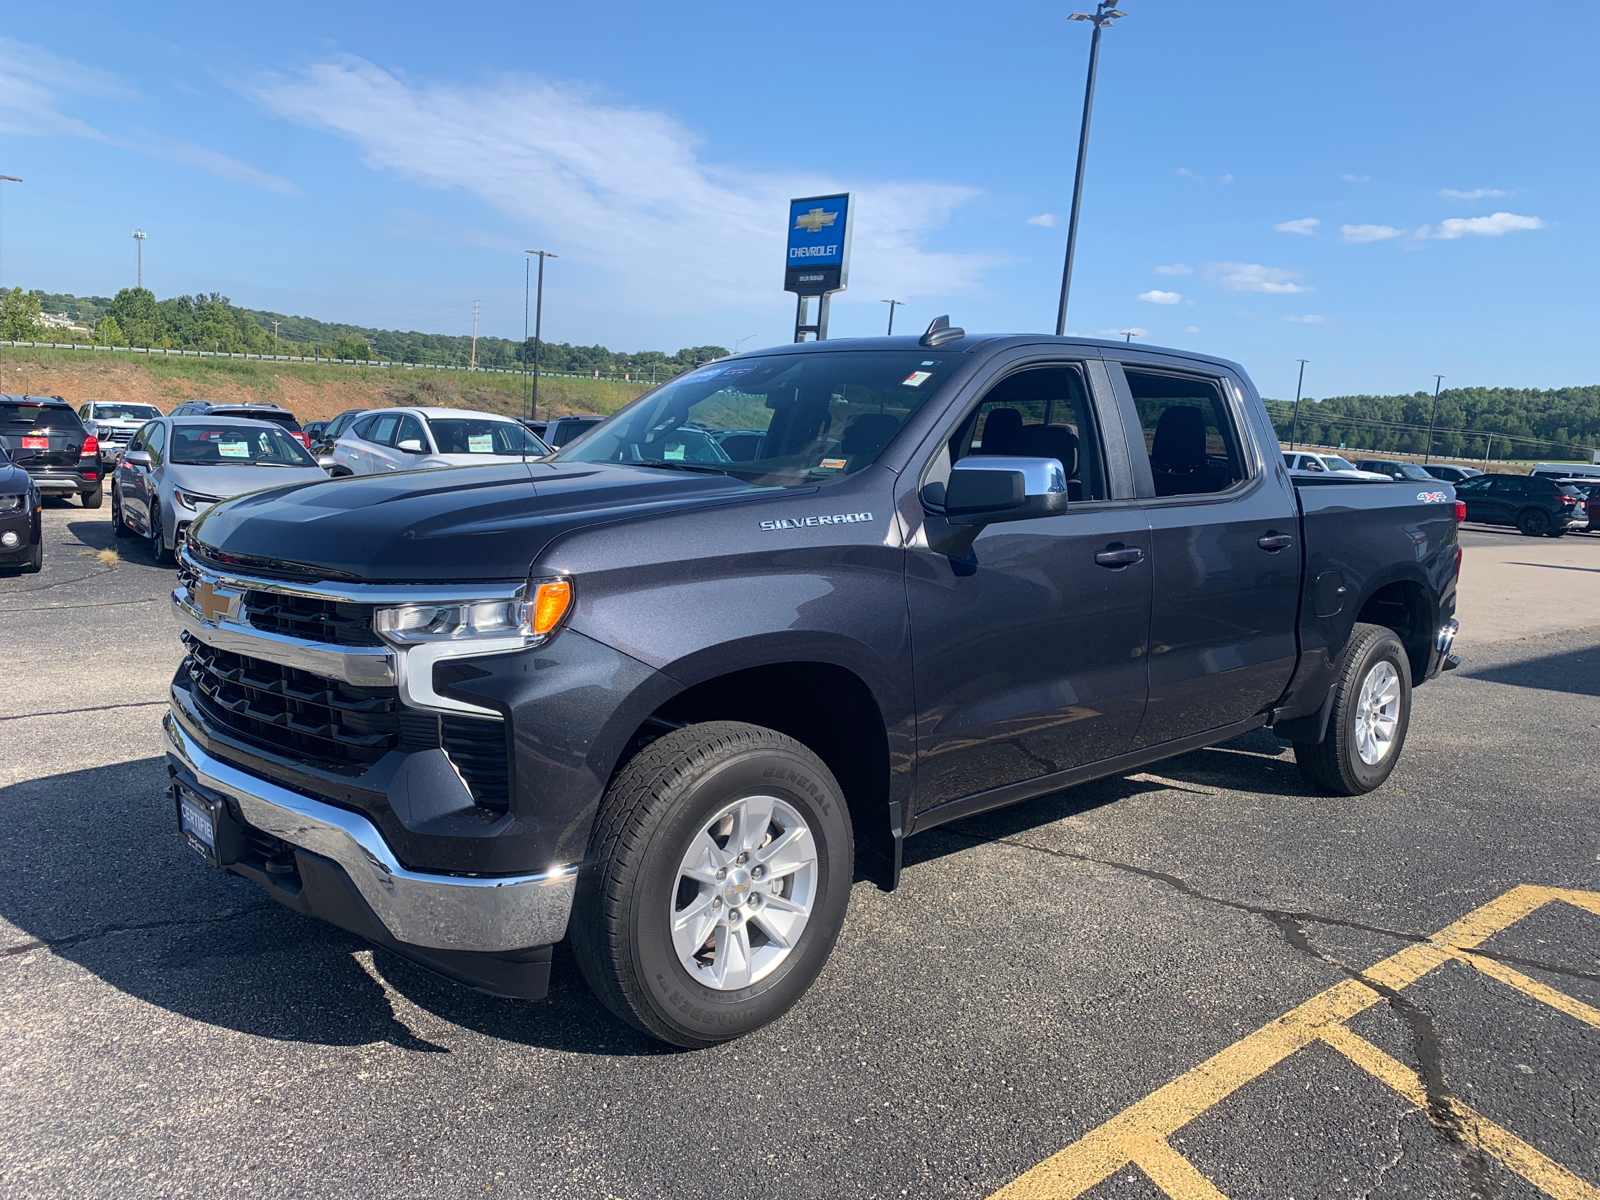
<point x="1138" y="1135"/>
<point x="1537" y="1168"/>
<point x="1586" y="1013"/>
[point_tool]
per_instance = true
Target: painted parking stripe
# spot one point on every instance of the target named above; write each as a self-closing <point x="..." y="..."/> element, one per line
<point x="1138" y="1135"/>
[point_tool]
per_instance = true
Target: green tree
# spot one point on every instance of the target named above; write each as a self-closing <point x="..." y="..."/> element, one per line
<point x="139" y="317"/>
<point x="350" y="345"/>
<point x="109" y="332"/>
<point x="19" y="316"/>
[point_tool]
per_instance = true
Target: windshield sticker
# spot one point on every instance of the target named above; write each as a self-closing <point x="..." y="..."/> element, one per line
<point x="673" y="454"/>
<point x="811" y="522"/>
<point x="916" y="379"/>
<point x="234" y="449"/>
<point x="480" y="443"/>
<point x="835" y="464"/>
<point x="730" y="372"/>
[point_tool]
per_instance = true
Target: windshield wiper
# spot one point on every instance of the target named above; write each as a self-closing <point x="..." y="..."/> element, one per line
<point x="674" y="465"/>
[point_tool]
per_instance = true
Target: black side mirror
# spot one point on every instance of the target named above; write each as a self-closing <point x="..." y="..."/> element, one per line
<point x="987" y="490"/>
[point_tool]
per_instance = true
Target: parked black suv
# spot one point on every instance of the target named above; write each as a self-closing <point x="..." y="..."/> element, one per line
<point x="1451" y="474"/>
<point x="249" y="412"/>
<point x="558" y="431"/>
<point x="1536" y="505"/>
<point x="1400" y="472"/>
<point x="65" y="455"/>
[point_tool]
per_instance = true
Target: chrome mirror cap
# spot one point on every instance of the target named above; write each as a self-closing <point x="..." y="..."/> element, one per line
<point x="1040" y="476"/>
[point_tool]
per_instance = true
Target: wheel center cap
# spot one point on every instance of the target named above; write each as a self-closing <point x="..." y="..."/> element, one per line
<point x="736" y="889"/>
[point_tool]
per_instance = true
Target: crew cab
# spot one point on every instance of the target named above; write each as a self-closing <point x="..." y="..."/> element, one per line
<point x="667" y="703"/>
<point x="113" y="423"/>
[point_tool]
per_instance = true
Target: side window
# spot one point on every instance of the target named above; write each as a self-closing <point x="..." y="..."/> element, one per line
<point x="1039" y="412"/>
<point x="83" y="411"/>
<point x="155" y="442"/>
<point x="1189" y="433"/>
<point x="410" y="427"/>
<point x="381" y="430"/>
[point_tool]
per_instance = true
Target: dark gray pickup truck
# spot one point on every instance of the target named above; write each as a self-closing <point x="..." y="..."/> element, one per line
<point x="666" y="692"/>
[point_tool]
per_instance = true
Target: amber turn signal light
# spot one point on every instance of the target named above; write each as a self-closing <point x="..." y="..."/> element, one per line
<point x="550" y="603"/>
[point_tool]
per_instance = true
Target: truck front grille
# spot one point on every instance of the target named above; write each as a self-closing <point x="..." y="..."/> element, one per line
<point x="311" y="618"/>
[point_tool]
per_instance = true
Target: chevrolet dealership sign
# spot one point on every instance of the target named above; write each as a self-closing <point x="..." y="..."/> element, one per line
<point x="819" y="245"/>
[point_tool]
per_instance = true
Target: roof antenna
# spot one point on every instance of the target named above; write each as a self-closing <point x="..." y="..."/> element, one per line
<point x="941" y="331"/>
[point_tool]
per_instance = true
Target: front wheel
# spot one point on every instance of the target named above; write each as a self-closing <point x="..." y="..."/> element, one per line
<point x="1371" y="713"/>
<point x="1533" y="522"/>
<point x="722" y="861"/>
<point x="35" y="562"/>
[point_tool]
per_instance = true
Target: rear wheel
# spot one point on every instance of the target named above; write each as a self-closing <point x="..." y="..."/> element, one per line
<point x="158" y="537"/>
<point x="1371" y="713"/>
<point x="93" y="497"/>
<point x="1533" y="522"/>
<point x="722" y="867"/>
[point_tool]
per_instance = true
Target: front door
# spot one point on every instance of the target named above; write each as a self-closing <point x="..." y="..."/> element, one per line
<point x="1225" y="532"/>
<point x="1029" y="654"/>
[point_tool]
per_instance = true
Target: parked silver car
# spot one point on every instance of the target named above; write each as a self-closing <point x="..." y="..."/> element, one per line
<point x="177" y="467"/>
<point x="416" y="439"/>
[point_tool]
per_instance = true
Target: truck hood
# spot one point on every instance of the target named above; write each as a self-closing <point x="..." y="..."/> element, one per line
<point x="456" y="525"/>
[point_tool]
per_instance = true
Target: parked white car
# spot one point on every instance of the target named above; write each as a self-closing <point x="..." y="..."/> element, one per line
<point x="113" y="423"/>
<point x="418" y="439"/>
<point x="1332" y="464"/>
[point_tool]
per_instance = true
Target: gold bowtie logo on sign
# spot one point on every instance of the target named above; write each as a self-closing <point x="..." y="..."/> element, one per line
<point x="814" y="220"/>
<point x="214" y="604"/>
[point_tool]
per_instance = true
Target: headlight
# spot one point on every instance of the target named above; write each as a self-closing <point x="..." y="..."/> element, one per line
<point x="530" y="620"/>
<point x="11" y="504"/>
<point x="194" y="500"/>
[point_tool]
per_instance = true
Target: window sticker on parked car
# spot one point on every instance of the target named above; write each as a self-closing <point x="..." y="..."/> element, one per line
<point x="673" y="454"/>
<point x="480" y="443"/>
<point x="917" y="378"/>
<point x="234" y="449"/>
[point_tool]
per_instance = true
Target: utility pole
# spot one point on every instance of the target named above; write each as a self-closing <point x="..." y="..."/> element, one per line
<point x="138" y="250"/>
<point x="1127" y="334"/>
<point x="7" y="179"/>
<point x="538" y="332"/>
<point x="473" y="365"/>
<point x="1294" y="432"/>
<point x="275" y="325"/>
<point x="892" y="304"/>
<point x="1105" y="12"/>
<point x="1437" y="380"/>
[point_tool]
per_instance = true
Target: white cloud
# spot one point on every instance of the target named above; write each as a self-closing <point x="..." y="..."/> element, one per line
<point x="1175" y="269"/>
<point x="1048" y="220"/>
<point x="1474" y="194"/>
<point x="1357" y="234"/>
<point x="1185" y="173"/>
<point x="1490" y="226"/>
<point x="1226" y="179"/>
<point x="1253" y="277"/>
<point x="619" y="186"/>
<point x="1160" y="297"/>
<point x="1306" y="226"/>
<point x="1191" y="329"/>
<point x="1308" y="319"/>
<point x="34" y="84"/>
<point x="1348" y="178"/>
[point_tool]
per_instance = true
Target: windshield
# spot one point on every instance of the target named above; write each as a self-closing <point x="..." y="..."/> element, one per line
<point x="225" y="445"/>
<point x="482" y="435"/>
<point x="125" y="412"/>
<point x="784" y="420"/>
<point x="15" y="415"/>
<point x="1335" y="463"/>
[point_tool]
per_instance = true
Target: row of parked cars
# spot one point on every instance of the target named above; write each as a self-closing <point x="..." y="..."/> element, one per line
<point x="163" y="470"/>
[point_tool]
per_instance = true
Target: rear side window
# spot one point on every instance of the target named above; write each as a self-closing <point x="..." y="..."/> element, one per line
<point x="378" y="429"/>
<point x="1039" y="412"/>
<point x="16" y="415"/>
<point x="1189" y="433"/>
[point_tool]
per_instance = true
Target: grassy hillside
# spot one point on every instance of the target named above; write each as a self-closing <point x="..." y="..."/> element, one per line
<point x="311" y="392"/>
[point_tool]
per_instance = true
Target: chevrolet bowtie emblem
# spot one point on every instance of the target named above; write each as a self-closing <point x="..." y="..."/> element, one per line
<point x="214" y="603"/>
<point x="814" y="220"/>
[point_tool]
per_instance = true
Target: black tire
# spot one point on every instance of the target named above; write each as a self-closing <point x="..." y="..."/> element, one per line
<point x="35" y="562"/>
<point x="655" y="807"/>
<point x="93" y="497"/>
<point x="1533" y="522"/>
<point x="1335" y="764"/>
<point x="119" y="526"/>
<point x="158" y="537"/>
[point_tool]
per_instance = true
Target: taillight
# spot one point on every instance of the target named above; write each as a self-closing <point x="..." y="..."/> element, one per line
<point x="302" y="439"/>
<point x="1461" y="511"/>
<point x="1569" y="499"/>
<point x="91" y="445"/>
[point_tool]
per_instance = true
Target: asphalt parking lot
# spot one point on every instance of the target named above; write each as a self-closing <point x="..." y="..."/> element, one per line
<point x="1195" y="981"/>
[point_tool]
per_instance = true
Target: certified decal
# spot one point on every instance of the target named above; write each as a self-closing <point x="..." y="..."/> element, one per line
<point x="809" y="522"/>
<point x="1431" y="497"/>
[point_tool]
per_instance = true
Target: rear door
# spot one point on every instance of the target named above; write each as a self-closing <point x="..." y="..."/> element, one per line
<point x="1224" y="528"/>
<point x="1475" y="494"/>
<point x="1029" y="654"/>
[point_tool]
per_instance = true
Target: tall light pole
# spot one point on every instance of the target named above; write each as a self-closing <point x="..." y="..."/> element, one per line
<point x="1428" y="453"/>
<point x="1127" y="334"/>
<point x="7" y="179"/>
<point x="1294" y="430"/>
<point x="138" y="250"/>
<point x="275" y="325"/>
<point x="538" y="331"/>
<point x="892" y="304"/>
<point x="1105" y="12"/>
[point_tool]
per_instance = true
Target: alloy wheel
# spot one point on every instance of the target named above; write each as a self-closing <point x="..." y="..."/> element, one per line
<point x="1377" y="712"/>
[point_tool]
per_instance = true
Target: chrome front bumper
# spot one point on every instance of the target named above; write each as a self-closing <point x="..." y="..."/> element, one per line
<point x="439" y="912"/>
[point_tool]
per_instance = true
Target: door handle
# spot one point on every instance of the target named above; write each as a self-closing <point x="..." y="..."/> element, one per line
<point x="1119" y="556"/>
<point x="1273" y="542"/>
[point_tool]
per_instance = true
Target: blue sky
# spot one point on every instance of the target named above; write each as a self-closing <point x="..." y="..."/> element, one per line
<point x="1388" y="192"/>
